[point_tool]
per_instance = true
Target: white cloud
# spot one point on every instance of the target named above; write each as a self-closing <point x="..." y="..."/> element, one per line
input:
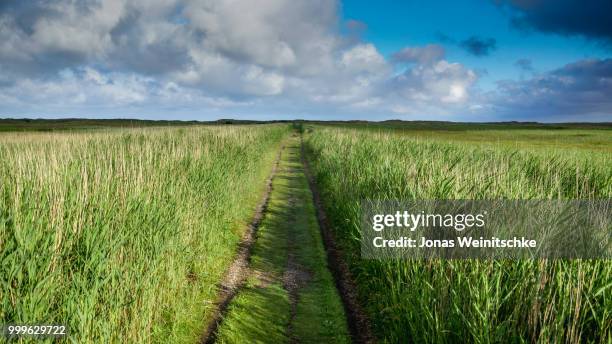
<point x="363" y="58"/>
<point x="244" y="30"/>
<point x="261" y="83"/>
<point x="292" y="35"/>
<point x="428" y="54"/>
<point x="227" y="54"/>
<point x="75" y="88"/>
<point x="85" y="32"/>
<point x="440" y="82"/>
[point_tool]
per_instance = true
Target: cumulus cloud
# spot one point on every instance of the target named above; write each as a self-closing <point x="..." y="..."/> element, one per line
<point x="273" y="54"/>
<point x="85" y="85"/>
<point x="205" y="44"/>
<point x="433" y="83"/>
<point x="591" y="19"/>
<point x="297" y="37"/>
<point x="363" y="58"/>
<point x="87" y="89"/>
<point x="429" y="78"/>
<point x="46" y="36"/>
<point x="424" y="55"/>
<point x="479" y="46"/>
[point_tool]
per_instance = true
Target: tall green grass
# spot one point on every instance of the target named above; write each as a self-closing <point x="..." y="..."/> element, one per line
<point x="464" y="301"/>
<point x="123" y="234"/>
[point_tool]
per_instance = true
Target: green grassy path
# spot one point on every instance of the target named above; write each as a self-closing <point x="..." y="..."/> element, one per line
<point x="290" y="294"/>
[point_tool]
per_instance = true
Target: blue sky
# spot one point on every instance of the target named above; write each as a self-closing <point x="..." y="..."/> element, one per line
<point x="422" y="22"/>
<point x="469" y="60"/>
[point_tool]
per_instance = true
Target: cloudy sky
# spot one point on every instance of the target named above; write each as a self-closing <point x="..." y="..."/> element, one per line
<point x="468" y="60"/>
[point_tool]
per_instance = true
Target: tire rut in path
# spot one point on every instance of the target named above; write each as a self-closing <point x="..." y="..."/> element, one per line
<point x="358" y="322"/>
<point x="294" y="278"/>
<point x="238" y="271"/>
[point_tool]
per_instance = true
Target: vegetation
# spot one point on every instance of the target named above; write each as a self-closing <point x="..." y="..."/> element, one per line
<point x="475" y="301"/>
<point x="290" y="295"/>
<point x="27" y="124"/>
<point x="123" y="234"/>
<point x="592" y="137"/>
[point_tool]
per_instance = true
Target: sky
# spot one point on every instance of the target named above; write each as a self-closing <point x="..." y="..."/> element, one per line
<point x="464" y="60"/>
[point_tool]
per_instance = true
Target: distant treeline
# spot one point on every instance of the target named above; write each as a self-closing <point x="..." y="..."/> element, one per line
<point x="458" y="126"/>
<point x="25" y="124"/>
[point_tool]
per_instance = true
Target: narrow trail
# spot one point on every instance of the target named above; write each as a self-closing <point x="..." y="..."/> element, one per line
<point x="283" y="291"/>
<point x="236" y="275"/>
<point x="358" y="322"/>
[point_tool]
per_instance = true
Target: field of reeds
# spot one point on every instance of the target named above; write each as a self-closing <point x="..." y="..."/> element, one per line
<point x="480" y="301"/>
<point x="122" y="234"/>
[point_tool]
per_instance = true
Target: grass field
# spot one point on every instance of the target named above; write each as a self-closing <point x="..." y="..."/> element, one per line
<point x="126" y="232"/>
<point x="591" y="137"/>
<point x="123" y="234"/>
<point x="469" y="301"/>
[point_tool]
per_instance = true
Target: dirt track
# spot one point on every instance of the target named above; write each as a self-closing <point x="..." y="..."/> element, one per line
<point x="238" y="271"/>
<point x="295" y="287"/>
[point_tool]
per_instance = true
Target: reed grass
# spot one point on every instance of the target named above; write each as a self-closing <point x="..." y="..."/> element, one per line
<point x="457" y="301"/>
<point x="123" y="234"/>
